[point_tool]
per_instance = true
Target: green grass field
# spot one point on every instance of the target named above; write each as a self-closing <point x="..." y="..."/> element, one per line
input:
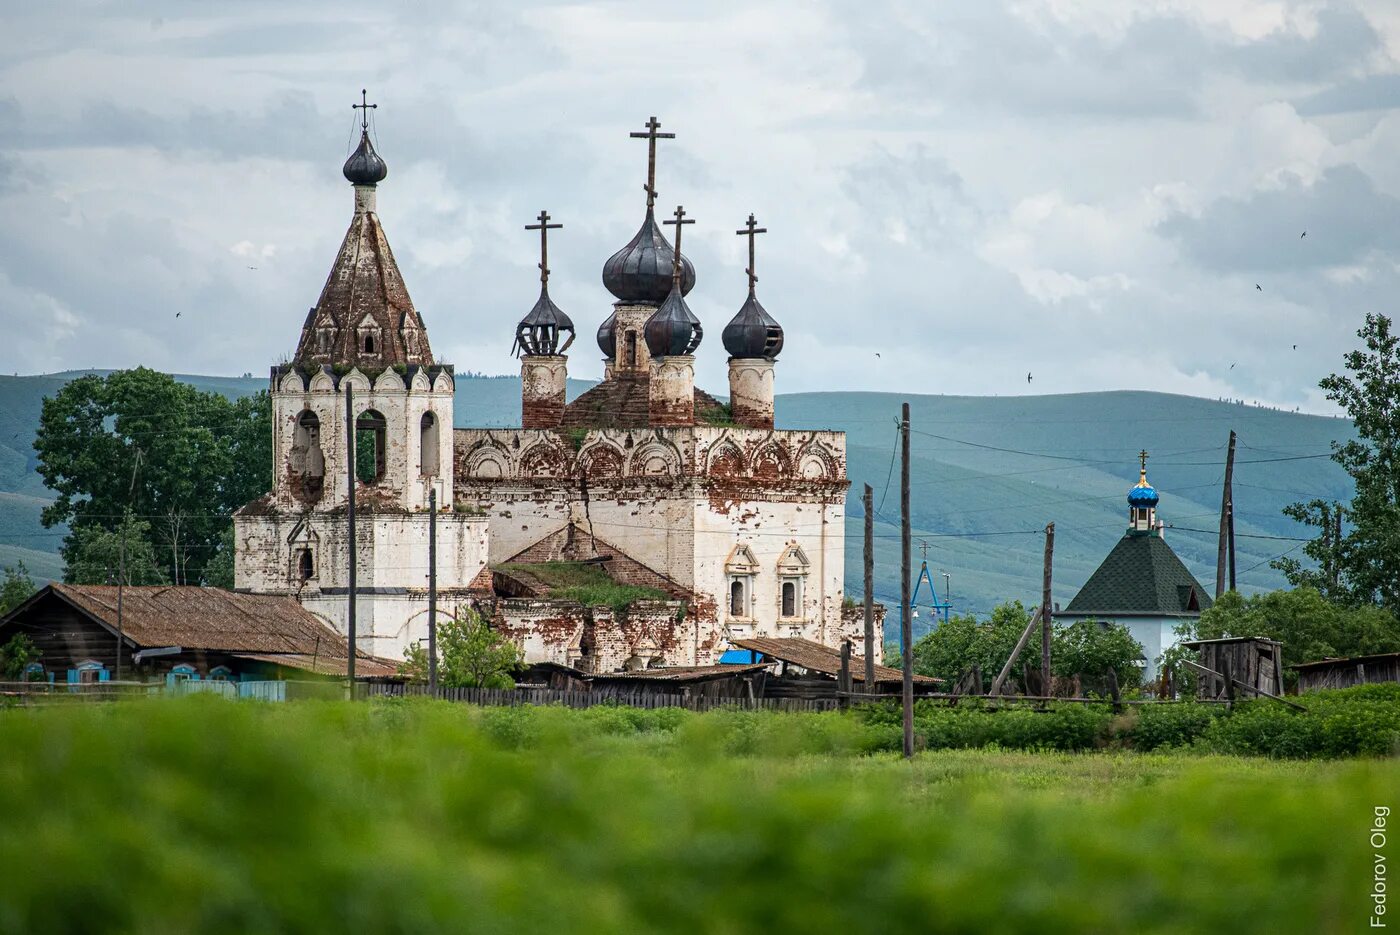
<point x="197" y="815"/>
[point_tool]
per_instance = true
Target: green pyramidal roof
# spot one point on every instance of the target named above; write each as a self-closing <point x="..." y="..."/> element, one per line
<point x="1142" y="575"/>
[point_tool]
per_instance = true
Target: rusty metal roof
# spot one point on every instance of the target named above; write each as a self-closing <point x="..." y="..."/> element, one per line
<point x="207" y="618"/>
<point x="365" y="666"/>
<point x="680" y="673"/>
<point x="1344" y="660"/>
<point x="816" y="657"/>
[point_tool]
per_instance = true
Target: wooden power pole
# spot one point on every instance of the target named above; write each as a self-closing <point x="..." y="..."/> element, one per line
<point x="1046" y="609"/>
<point x="432" y="592"/>
<point x="350" y="516"/>
<point x="906" y="622"/>
<point x="869" y="590"/>
<point x="1226" y="545"/>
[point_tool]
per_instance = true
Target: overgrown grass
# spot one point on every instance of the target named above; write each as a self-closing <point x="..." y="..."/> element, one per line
<point x="586" y="583"/>
<point x="198" y="815"/>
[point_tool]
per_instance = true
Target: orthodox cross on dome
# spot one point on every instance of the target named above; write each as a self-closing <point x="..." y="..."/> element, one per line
<point x="750" y="230"/>
<point x="364" y="107"/>
<point x="1142" y="457"/>
<point x="544" y="227"/>
<point x="676" y="260"/>
<point x="651" y="136"/>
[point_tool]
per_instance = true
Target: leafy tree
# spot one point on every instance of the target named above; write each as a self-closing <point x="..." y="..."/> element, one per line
<point x="1362" y="566"/>
<point x="1308" y="625"/>
<point x="962" y="640"/>
<point x="15" y="657"/>
<point x="219" y="572"/>
<point x="1090" y="649"/>
<point x="93" y="555"/>
<point x="470" y="655"/>
<point x="17" y="588"/>
<point x="180" y="459"/>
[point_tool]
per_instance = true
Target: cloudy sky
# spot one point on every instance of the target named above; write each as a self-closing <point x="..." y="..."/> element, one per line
<point x="1086" y="189"/>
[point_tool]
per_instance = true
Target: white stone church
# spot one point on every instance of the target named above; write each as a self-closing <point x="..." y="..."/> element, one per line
<point x="733" y="528"/>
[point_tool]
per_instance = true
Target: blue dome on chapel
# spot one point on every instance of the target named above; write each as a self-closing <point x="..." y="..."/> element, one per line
<point x="1144" y="494"/>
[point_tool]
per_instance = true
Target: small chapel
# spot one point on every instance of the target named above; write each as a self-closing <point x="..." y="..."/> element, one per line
<point x="1142" y="584"/>
<point x="712" y="523"/>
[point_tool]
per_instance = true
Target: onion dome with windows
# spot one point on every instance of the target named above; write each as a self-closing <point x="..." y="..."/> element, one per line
<point x="752" y="333"/>
<point x="539" y="332"/>
<point x="364" y="167"/>
<point x="640" y="273"/>
<point x="673" y="329"/>
<point x="607" y="336"/>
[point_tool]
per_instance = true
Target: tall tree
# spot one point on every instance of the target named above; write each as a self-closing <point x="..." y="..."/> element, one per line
<point x="178" y="459"/>
<point x="470" y="655"/>
<point x="17" y="587"/>
<point x="1362" y="565"/>
<point x="96" y="555"/>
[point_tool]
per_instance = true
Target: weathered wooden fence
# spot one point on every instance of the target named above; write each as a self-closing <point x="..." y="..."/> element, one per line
<point x="506" y="697"/>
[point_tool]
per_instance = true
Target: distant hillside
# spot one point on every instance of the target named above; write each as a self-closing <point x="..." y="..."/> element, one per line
<point x="988" y="473"/>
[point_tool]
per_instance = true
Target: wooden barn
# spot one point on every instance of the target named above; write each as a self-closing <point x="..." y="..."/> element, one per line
<point x="177" y="634"/>
<point x="1253" y="664"/>
<point x="1345" y="673"/>
<point x="746" y="682"/>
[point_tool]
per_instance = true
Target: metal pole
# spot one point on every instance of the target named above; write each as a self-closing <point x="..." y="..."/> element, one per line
<point x="1226" y="494"/>
<point x="1046" y="608"/>
<point x="350" y="515"/>
<point x="947" y="596"/>
<point x="121" y="586"/>
<point x="1230" y="518"/>
<point x="906" y="622"/>
<point x="432" y="592"/>
<point x="870" y="647"/>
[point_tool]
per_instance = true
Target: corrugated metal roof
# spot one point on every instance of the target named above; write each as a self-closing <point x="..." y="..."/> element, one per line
<point x="680" y="673"/>
<point x="816" y="657"/>
<point x="208" y="618"/>
<point x="365" y="666"/>
<point x="1344" y="660"/>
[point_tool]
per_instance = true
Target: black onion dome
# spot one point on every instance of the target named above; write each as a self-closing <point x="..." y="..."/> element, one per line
<point x="641" y="271"/>
<point x="753" y="332"/>
<point x="364" y="167"/>
<point x="538" y="333"/>
<point x="607" y="336"/>
<point x="672" y="329"/>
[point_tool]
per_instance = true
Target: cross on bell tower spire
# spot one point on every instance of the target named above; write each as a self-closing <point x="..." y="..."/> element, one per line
<point x="651" y="136"/>
<point x="1142" y="459"/>
<point x="544" y="227"/>
<point x="750" y="230"/>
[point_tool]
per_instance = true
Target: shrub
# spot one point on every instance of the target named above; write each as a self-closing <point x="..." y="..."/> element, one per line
<point x="1170" y="725"/>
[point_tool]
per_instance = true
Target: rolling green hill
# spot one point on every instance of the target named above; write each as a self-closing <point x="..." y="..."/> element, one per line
<point x="988" y="474"/>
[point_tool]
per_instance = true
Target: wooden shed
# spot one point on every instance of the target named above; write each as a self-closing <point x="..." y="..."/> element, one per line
<point x="1345" y="673"/>
<point x="808" y="669"/>
<point x="1256" y="662"/>
<point x="723" y="681"/>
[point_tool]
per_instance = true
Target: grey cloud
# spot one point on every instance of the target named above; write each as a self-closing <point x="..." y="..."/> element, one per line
<point x="1373" y="92"/>
<point x="1345" y="217"/>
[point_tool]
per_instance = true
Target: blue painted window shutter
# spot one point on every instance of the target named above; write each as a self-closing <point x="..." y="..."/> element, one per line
<point x="72" y="676"/>
<point x="104" y="676"/>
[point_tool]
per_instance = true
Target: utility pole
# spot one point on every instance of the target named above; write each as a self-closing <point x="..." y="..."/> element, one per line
<point x="1230" y="517"/>
<point x="432" y="591"/>
<point x="121" y="559"/>
<point x="868" y="501"/>
<point x="1225" y="548"/>
<point x="1046" y="620"/>
<point x="906" y="622"/>
<point x="350" y="515"/>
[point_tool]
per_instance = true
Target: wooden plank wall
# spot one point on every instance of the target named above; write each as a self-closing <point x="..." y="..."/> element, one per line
<point x="499" y="697"/>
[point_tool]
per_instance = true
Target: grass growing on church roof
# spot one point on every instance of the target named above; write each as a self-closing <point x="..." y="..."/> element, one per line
<point x="587" y="583"/>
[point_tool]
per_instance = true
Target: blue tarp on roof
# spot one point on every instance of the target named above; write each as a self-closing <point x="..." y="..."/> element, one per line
<point x="737" y="657"/>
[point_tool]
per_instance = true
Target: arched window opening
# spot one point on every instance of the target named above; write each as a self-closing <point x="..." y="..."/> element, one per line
<point x="737" y="603"/>
<point x="789" y="599"/>
<point x="370" y="440"/>
<point x="220" y="674"/>
<point x="631" y="350"/>
<point x="306" y="462"/>
<point x="306" y="565"/>
<point x="428" y="445"/>
<point x="369" y="344"/>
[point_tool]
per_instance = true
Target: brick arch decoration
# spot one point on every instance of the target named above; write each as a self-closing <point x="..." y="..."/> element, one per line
<point x="816" y="463"/>
<point x="772" y="461"/>
<point x="726" y="460"/>
<point x="544" y="460"/>
<point x="654" y="458"/>
<point x="602" y="459"/>
<point x="488" y="459"/>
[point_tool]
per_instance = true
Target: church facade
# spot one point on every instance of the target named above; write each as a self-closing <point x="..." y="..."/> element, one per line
<point x="730" y="527"/>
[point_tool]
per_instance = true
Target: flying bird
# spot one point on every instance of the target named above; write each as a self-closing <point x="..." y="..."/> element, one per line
<point x="177" y="314"/>
<point x="877" y="354"/>
<point x="1028" y="377"/>
<point x="252" y="267"/>
<point x="1259" y="287"/>
<point x="1295" y="347"/>
<point x="1303" y="234"/>
<point x="1232" y="366"/>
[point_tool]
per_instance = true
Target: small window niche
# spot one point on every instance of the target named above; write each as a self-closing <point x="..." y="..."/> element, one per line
<point x="371" y="430"/>
<point x="306" y="565"/>
<point x="741" y="568"/>
<point x="306" y="461"/>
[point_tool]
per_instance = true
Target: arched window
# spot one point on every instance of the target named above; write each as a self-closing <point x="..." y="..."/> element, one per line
<point x="631" y="358"/>
<point x="370" y="431"/>
<point x="306" y="565"/>
<point x="369" y="344"/>
<point x="789" y="599"/>
<point x="307" y="463"/>
<point x="738" y="606"/>
<point x="428" y="445"/>
<point x="220" y="674"/>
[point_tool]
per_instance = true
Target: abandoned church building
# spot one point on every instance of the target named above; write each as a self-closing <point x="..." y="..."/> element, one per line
<point x="698" y="522"/>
